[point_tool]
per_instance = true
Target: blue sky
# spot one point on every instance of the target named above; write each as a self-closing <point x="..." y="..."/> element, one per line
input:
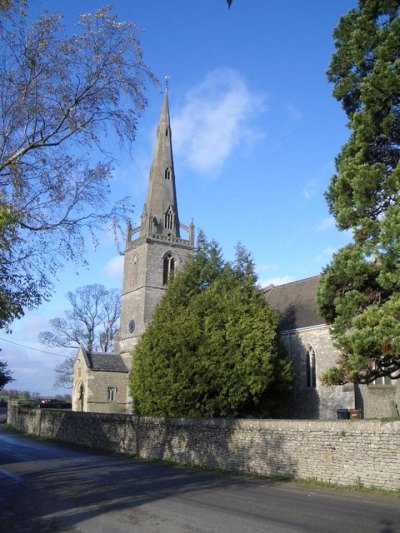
<point x="255" y="131"/>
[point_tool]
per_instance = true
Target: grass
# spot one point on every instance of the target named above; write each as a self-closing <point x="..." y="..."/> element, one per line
<point x="357" y="487"/>
<point x="286" y="478"/>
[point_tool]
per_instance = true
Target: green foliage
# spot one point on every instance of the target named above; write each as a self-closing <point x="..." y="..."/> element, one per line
<point x="5" y="374"/>
<point x="359" y="292"/>
<point x="19" y="289"/>
<point x="211" y="349"/>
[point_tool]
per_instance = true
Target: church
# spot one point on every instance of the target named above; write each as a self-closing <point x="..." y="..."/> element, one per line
<point x="153" y="251"/>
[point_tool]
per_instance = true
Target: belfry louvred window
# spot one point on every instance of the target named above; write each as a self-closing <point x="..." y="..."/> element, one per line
<point x="168" y="268"/>
<point x="169" y="219"/>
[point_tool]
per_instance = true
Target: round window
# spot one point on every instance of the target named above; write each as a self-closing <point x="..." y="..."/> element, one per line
<point x="131" y="326"/>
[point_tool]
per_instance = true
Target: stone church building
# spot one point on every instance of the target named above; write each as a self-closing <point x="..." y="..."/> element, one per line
<point x="153" y="251"/>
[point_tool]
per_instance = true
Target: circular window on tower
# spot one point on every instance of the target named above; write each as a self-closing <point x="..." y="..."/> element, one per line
<point x="131" y="326"/>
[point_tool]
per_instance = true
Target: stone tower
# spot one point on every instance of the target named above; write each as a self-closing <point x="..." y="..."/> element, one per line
<point x="155" y="249"/>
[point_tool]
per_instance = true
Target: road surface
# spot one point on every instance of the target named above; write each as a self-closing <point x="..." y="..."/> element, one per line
<point x="47" y="487"/>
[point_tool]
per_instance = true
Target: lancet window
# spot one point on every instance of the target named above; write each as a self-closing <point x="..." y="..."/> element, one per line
<point x="168" y="173"/>
<point x="168" y="268"/>
<point x="311" y="371"/>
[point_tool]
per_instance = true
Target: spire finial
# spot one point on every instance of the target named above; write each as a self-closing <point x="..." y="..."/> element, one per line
<point x="167" y="78"/>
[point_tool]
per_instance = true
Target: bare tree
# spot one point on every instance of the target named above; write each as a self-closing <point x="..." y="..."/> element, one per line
<point x="91" y="323"/>
<point x="64" y="373"/>
<point x="59" y="96"/>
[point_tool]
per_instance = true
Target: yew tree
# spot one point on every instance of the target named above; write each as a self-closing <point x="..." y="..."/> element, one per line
<point x="211" y="349"/>
<point x="61" y="93"/>
<point x="360" y="290"/>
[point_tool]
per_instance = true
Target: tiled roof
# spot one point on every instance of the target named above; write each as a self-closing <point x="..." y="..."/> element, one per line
<point x="295" y="303"/>
<point x="104" y="362"/>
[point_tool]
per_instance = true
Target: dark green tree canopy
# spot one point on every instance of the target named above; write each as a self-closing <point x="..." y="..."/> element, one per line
<point x="5" y="374"/>
<point x="366" y="72"/>
<point x="211" y="349"/>
<point x="360" y="290"/>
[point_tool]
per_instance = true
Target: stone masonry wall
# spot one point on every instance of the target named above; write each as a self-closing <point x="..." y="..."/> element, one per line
<point x="345" y="452"/>
<point x="379" y="401"/>
<point x="320" y="402"/>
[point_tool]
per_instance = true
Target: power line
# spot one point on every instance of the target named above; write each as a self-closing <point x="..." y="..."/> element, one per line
<point x="35" y="349"/>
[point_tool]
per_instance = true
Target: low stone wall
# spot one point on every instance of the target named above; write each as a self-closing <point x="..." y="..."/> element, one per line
<point x="345" y="452"/>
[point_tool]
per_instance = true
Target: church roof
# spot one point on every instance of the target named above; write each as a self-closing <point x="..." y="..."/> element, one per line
<point x="104" y="362"/>
<point x="295" y="303"/>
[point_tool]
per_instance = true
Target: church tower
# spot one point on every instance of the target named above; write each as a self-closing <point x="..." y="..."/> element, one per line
<point x="155" y="249"/>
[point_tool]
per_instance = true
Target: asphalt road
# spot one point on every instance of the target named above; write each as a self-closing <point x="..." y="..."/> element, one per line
<point x="47" y="487"/>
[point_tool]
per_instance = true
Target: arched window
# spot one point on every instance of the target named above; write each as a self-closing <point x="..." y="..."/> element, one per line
<point x="168" y="268"/>
<point x="311" y="372"/>
<point x="168" y="173"/>
<point x="169" y="219"/>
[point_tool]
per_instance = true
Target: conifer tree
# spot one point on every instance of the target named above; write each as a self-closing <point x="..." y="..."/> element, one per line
<point x="359" y="292"/>
<point x="211" y="349"/>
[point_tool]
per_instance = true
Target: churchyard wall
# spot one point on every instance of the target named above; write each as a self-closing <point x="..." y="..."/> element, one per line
<point x="344" y="452"/>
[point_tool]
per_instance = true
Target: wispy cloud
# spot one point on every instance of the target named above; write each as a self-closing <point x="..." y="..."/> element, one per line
<point x="216" y="119"/>
<point x="325" y="254"/>
<point x="311" y="188"/>
<point x="266" y="267"/>
<point x="326" y="224"/>
<point x="115" y="266"/>
<point x="293" y="113"/>
<point x="31" y="363"/>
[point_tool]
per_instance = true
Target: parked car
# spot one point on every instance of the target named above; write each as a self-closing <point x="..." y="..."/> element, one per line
<point x="53" y="403"/>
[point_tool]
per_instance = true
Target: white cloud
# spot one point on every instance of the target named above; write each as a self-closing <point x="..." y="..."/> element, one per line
<point x="278" y="280"/>
<point x="325" y="224"/>
<point x="115" y="266"/>
<point x="215" y="120"/>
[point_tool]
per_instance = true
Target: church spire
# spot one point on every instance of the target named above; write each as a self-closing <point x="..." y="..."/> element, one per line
<point x="152" y="257"/>
<point x="161" y="208"/>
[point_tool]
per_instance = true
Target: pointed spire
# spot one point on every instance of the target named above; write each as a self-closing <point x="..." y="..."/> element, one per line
<point x="161" y="204"/>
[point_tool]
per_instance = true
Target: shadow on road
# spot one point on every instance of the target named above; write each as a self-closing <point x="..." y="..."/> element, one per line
<point x="73" y="486"/>
<point x="46" y="488"/>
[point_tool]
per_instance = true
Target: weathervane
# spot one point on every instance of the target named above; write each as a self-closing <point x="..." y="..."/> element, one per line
<point x="167" y="78"/>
